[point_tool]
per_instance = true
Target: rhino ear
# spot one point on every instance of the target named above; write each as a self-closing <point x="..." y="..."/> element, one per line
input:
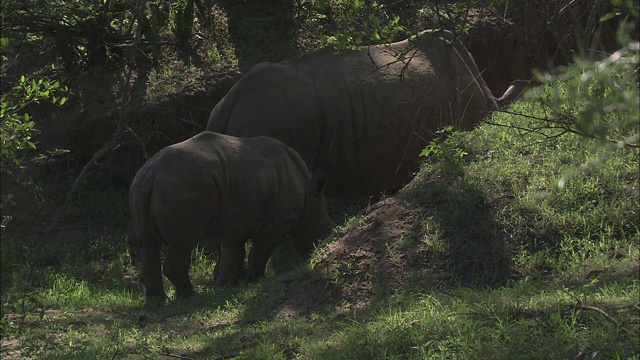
<point x="319" y="181"/>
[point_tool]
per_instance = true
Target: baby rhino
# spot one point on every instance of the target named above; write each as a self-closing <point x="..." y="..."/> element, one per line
<point x="223" y="190"/>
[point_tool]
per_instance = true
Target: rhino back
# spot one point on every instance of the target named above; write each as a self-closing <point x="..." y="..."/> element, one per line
<point x="362" y="116"/>
<point x="214" y="188"/>
<point x="271" y="100"/>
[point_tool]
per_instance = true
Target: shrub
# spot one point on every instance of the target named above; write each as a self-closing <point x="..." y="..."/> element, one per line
<point x="17" y="127"/>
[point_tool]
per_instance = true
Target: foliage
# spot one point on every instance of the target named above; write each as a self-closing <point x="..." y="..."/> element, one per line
<point x="433" y="148"/>
<point x="78" y="31"/>
<point x="94" y="32"/>
<point x="74" y="34"/>
<point x="358" y="22"/>
<point x="346" y="25"/>
<point x="595" y="99"/>
<point x="18" y="127"/>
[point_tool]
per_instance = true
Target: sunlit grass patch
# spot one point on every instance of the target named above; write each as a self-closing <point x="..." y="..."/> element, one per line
<point x="523" y="321"/>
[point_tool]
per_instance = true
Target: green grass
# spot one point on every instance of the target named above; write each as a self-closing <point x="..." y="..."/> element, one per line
<point x="533" y="270"/>
<point x="517" y="321"/>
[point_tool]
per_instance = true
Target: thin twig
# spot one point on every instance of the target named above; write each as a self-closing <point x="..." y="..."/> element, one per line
<point x="144" y="148"/>
<point x="598" y="310"/>
<point x="563" y="123"/>
<point x="190" y="122"/>
<point x="580" y="306"/>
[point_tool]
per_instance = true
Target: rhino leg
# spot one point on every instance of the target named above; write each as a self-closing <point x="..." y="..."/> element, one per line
<point x="176" y="269"/>
<point x="258" y="258"/>
<point x="261" y="250"/>
<point x="230" y="265"/>
<point x="150" y="269"/>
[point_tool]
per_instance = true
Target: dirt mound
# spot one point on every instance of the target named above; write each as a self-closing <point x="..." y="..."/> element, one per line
<point x="363" y="259"/>
<point x="367" y="257"/>
<point x="430" y="234"/>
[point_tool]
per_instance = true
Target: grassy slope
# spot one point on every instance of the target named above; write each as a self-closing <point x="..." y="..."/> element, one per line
<point x="516" y="269"/>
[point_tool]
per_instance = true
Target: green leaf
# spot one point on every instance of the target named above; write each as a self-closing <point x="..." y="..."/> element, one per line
<point x="608" y="16"/>
<point x="445" y="129"/>
<point x="432" y="148"/>
<point x="426" y="152"/>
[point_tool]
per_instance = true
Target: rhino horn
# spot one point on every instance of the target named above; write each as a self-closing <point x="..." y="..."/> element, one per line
<point x="514" y="91"/>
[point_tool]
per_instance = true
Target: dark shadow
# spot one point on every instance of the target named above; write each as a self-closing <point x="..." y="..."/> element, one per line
<point x="475" y="253"/>
<point x="261" y="30"/>
<point x="140" y="83"/>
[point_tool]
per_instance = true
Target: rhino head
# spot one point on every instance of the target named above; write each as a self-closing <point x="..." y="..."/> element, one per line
<point x="315" y="223"/>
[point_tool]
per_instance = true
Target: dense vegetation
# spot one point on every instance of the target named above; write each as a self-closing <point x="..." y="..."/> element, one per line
<point x="519" y="239"/>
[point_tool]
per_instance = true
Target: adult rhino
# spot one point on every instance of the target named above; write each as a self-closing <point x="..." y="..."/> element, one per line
<point x="220" y="189"/>
<point x="362" y="116"/>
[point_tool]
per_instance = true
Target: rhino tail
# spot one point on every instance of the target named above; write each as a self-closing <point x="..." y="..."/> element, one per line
<point x="139" y="203"/>
<point x="147" y="241"/>
<point x="513" y="93"/>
